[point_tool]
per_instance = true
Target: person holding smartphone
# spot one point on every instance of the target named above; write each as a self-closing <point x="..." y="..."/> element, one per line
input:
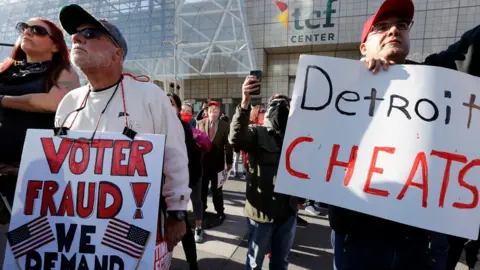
<point x="271" y="217"/>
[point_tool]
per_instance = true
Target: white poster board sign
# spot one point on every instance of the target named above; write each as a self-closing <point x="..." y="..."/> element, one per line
<point x="402" y="144"/>
<point x="163" y="258"/>
<point x="81" y="204"/>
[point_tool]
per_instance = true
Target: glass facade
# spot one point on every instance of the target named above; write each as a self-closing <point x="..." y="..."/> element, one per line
<point x="209" y="46"/>
<point x="166" y="39"/>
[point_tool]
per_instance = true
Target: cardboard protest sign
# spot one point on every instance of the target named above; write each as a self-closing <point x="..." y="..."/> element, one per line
<point x="80" y="204"/>
<point x="400" y="145"/>
<point x="163" y="258"/>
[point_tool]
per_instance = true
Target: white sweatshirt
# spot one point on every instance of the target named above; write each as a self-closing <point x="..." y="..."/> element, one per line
<point x="149" y="112"/>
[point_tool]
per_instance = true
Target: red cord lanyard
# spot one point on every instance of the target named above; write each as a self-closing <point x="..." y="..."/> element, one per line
<point x="84" y="103"/>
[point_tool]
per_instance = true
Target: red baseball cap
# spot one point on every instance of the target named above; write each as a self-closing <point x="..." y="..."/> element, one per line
<point x="213" y="103"/>
<point x="401" y="8"/>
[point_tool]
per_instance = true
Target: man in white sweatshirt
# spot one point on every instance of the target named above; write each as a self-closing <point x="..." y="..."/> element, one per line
<point x="116" y="103"/>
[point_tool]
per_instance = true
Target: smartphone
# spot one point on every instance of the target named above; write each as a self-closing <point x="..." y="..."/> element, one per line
<point x="258" y="74"/>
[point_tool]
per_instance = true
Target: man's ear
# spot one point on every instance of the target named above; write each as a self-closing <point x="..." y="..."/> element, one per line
<point x="363" y="49"/>
<point x="119" y="54"/>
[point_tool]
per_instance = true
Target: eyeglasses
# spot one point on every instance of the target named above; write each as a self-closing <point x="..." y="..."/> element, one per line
<point x="38" y="30"/>
<point x="384" y="26"/>
<point x="92" y="33"/>
<point x="278" y="102"/>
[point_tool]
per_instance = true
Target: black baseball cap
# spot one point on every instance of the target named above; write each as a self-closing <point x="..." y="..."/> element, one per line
<point x="72" y="16"/>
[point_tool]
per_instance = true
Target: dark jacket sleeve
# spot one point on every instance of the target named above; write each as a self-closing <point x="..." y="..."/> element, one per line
<point x="228" y="151"/>
<point x="200" y="115"/>
<point x="241" y="136"/>
<point x="228" y="147"/>
<point x="194" y="154"/>
<point x="463" y="55"/>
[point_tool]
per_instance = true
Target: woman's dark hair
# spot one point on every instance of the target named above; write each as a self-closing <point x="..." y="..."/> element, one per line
<point x="176" y="98"/>
<point x="60" y="59"/>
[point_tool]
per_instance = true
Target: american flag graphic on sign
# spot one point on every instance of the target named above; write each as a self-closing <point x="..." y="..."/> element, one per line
<point x="30" y="236"/>
<point x="125" y="237"/>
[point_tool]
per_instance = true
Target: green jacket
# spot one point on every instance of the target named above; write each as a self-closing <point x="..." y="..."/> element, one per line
<point x="263" y="146"/>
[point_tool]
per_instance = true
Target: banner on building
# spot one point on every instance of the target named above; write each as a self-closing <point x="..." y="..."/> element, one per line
<point x="401" y="144"/>
<point x="80" y="204"/>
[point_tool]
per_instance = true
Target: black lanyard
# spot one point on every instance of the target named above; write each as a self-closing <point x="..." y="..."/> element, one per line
<point x="126" y="131"/>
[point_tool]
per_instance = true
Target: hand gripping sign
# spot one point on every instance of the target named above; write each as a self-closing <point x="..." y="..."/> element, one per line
<point x="401" y="144"/>
<point x="79" y="204"/>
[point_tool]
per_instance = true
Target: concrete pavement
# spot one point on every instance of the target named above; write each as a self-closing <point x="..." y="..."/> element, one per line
<point x="225" y="245"/>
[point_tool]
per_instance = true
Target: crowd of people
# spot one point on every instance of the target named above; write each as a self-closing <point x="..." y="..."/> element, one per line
<point x="40" y="90"/>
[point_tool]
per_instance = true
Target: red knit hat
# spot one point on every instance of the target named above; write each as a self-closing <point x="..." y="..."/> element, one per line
<point x="213" y="103"/>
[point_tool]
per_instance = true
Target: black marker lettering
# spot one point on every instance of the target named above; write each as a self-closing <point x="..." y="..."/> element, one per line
<point x="116" y="261"/>
<point x="65" y="239"/>
<point x="65" y="263"/>
<point x="340" y="96"/>
<point x="33" y="261"/>
<point x="83" y="265"/>
<point x="305" y="87"/>
<point x="103" y="265"/>
<point x="448" y="94"/>
<point x="471" y="105"/>
<point x="85" y="239"/>
<point x="435" y="114"/>
<point x="372" y="98"/>
<point x="50" y="259"/>
<point x="401" y="108"/>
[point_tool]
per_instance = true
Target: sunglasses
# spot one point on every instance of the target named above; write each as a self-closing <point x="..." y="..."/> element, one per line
<point x="93" y="33"/>
<point x="384" y="26"/>
<point x="38" y="30"/>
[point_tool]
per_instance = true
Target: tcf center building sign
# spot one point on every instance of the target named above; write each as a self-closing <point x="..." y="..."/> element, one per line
<point x="309" y="25"/>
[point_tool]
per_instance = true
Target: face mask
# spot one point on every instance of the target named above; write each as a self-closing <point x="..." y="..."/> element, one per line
<point x="278" y="116"/>
<point x="186" y="117"/>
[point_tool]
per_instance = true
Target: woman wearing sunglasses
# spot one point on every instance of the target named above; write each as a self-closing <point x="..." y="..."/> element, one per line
<point x="33" y="80"/>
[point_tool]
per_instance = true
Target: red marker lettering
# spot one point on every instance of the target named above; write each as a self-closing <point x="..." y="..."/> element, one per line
<point x="136" y="161"/>
<point x="290" y="149"/>
<point x="118" y="156"/>
<point x="66" y="205"/>
<point x="419" y="159"/>
<point x="473" y="189"/>
<point x="446" y="175"/>
<point x="350" y="165"/>
<point x="33" y="187"/>
<point x="79" y="167"/>
<point x="55" y="159"/>
<point x="85" y="211"/>
<point x="373" y="169"/>
<point x="100" y="145"/>
<point x="114" y="191"/>
<point x="49" y="189"/>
